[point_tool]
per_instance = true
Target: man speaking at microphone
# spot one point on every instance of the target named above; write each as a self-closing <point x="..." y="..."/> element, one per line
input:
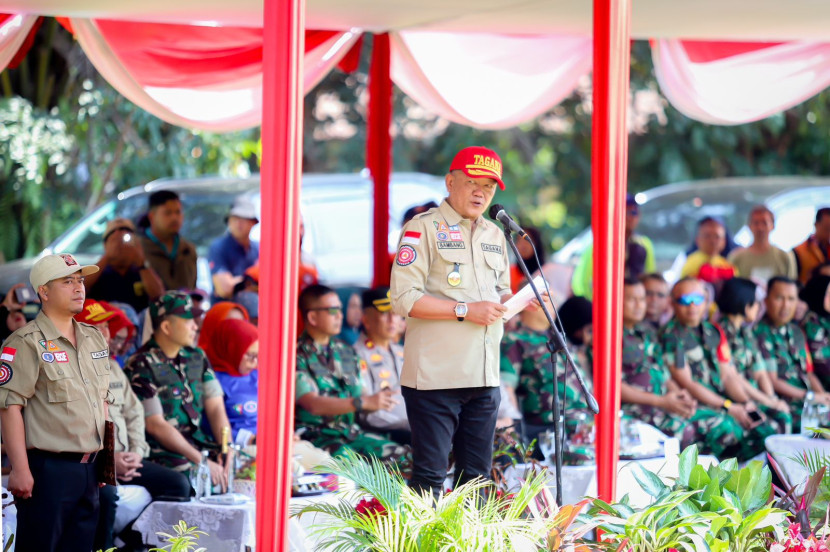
<point x="450" y="278"/>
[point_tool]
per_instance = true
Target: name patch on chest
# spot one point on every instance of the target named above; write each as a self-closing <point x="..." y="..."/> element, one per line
<point x="450" y="245"/>
<point x="101" y="354"/>
<point x="490" y="248"/>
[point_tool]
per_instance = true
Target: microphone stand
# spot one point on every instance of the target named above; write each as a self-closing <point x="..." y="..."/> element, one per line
<point x="556" y="343"/>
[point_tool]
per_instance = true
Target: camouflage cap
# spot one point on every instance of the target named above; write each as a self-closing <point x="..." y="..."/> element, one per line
<point x="177" y="303"/>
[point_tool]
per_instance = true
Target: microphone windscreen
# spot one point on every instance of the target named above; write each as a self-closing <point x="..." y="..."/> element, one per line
<point x="494" y="210"/>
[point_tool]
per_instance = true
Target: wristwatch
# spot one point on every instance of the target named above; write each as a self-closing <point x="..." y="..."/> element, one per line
<point x="358" y="404"/>
<point x="460" y="311"/>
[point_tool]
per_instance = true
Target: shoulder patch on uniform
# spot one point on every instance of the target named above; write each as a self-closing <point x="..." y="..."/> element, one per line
<point x="8" y="354"/>
<point x="490" y="248"/>
<point x="406" y="255"/>
<point x="5" y="373"/>
<point x="411" y="237"/>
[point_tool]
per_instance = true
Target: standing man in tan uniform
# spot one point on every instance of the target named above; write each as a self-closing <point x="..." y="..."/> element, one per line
<point x="450" y="278"/>
<point x="54" y="380"/>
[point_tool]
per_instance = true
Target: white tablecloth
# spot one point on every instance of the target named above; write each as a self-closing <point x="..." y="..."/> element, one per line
<point x="784" y="447"/>
<point x="228" y="528"/>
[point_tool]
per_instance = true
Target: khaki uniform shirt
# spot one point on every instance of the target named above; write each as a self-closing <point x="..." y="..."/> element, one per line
<point x="176" y="273"/>
<point x="448" y="354"/>
<point x="62" y="389"/>
<point x="383" y="371"/>
<point x="127" y="414"/>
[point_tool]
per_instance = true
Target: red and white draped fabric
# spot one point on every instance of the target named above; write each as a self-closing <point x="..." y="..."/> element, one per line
<point x="14" y="31"/>
<point x="730" y="83"/>
<point x="486" y="80"/>
<point x="201" y="77"/>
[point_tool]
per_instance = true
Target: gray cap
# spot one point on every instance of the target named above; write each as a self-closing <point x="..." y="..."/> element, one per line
<point x="52" y="267"/>
<point x="244" y="208"/>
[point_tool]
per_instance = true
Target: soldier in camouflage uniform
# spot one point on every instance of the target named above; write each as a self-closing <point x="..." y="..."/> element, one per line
<point x="329" y="390"/>
<point x="526" y="369"/>
<point x="816" y="325"/>
<point x="784" y="349"/>
<point x="739" y="307"/>
<point x="177" y="388"/>
<point x="650" y="395"/>
<point x="700" y="361"/>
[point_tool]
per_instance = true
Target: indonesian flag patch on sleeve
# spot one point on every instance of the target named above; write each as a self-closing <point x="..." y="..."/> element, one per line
<point x="8" y="354"/>
<point x="410" y="237"/>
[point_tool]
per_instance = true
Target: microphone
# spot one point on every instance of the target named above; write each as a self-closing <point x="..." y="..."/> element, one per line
<point x="498" y="213"/>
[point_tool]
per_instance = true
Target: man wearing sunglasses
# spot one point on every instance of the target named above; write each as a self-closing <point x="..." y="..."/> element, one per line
<point x="329" y="388"/>
<point x="125" y="275"/>
<point x="784" y="348"/>
<point x="698" y="355"/>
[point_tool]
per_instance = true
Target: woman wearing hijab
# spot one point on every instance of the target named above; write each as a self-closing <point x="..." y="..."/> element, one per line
<point x="217" y="313"/>
<point x="352" y="314"/>
<point x="739" y="308"/>
<point x="234" y="355"/>
<point x="816" y="324"/>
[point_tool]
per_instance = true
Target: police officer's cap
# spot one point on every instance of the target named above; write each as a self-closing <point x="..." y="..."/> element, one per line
<point x="378" y="297"/>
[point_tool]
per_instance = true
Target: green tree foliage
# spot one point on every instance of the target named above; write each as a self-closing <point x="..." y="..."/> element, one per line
<point x="87" y="143"/>
<point x="68" y="142"/>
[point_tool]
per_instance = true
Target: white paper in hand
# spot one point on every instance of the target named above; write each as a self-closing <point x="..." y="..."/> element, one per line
<point x="523" y="298"/>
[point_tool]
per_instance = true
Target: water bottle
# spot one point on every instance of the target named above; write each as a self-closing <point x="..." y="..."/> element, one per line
<point x="203" y="482"/>
<point x="809" y="416"/>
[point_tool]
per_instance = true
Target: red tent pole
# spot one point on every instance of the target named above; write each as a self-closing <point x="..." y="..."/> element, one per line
<point x="612" y="59"/>
<point x="279" y="261"/>
<point x="379" y="152"/>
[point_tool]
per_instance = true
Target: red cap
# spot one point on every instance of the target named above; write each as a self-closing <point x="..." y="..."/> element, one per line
<point x="95" y="312"/>
<point x="478" y="162"/>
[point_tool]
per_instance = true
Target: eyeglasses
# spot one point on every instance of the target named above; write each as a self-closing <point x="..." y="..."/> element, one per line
<point x="690" y="299"/>
<point x="250" y="357"/>
<point x="334" y="311"/>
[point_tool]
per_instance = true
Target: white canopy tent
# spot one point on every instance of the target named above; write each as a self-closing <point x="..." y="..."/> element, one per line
<point x="749" y="20"/>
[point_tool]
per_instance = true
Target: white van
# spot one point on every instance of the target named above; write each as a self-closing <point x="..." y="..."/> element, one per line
<point x="337" y="211"/>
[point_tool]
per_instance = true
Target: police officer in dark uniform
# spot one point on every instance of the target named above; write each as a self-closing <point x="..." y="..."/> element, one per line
<point x="54" y="379"/>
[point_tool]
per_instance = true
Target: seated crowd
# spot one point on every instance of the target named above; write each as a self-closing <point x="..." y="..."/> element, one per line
<point x="723" y="358"/>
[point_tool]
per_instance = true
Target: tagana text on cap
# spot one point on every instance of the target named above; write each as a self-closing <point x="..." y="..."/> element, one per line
<point x="95" y="312"/>
<point x="52" y="267"/>
<point x="478" y="162"/>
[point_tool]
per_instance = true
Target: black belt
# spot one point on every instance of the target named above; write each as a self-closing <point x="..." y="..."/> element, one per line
<point x="74" y="457"/>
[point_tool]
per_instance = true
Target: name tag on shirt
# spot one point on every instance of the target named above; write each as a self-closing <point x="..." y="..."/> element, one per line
<point x="101" y="354"/>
